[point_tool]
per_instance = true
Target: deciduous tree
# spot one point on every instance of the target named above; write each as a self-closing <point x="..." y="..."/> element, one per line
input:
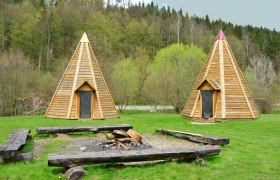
<point x="173" y="74"/>
<point x="125" y="81"/>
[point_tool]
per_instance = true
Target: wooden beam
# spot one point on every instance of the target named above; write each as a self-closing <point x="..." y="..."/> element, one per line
<point x="114" y="127"/>
<point x="222" y="79"/>
<point x="65" y="129"/>
<point x="68" y="129"/>
<point x="71" y="160"/>
<point x="207" y="139"/>
<point x="14" y="144"/>
<point x="17" y="157"/>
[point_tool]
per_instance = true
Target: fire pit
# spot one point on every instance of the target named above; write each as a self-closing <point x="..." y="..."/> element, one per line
<point x="117" y="140"/>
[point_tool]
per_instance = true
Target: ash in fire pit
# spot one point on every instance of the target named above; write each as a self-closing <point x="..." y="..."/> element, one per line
<point x="98" y="145"/>
<point x="117" y="140"/>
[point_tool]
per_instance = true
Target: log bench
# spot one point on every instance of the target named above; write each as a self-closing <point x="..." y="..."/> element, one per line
<point x="10" y="150"/>
<point x="91" y="158"/>
<point x="206" y="139"/>
<point x="94" y="129"/>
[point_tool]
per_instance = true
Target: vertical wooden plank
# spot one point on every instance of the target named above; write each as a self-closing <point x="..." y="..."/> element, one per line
<point x="200" y="106"/>
<point x="222" y="79"/>
<point x="78" y="105"/>
<point x="92" y="106"/>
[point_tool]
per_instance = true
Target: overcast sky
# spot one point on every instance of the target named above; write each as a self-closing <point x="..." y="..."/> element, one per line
<point x="265" y="13"/>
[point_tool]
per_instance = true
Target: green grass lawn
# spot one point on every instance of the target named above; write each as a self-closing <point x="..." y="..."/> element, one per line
<point x="253" y="152"/>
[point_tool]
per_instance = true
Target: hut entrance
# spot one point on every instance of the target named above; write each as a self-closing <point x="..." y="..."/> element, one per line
<point x="209" y="90"/>
<point x="85" y="104"/>
<point x="85" y="100"/>
<point x="207" y="103"/>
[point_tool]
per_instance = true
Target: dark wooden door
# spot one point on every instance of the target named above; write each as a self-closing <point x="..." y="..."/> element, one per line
<point x="85" y="104"/>
<point x="207" y="103"/>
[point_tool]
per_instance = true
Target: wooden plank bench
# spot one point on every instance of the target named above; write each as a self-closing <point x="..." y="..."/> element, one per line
<point x="72" y="160"/>
<point x="10" y="150"/>
<point x="94" y="129"/>
<point x="214" y="140"/>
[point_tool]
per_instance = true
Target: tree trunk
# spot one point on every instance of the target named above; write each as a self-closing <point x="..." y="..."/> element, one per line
<point x="67" y="129"/>
<point x="39" y="61"/>
<point x="75" y="173"/>
<point x="214" y="140"/>
<point x="48" y="47"/>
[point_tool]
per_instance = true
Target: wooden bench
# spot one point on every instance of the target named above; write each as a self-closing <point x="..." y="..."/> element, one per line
<point x="72" y="160"/>
<point x="94" y="129"/>
<point x="206" y="139"/>
<point x="10" y="150"/>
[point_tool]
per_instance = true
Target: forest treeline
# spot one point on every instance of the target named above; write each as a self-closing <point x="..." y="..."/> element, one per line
<point x="148" y="55"/>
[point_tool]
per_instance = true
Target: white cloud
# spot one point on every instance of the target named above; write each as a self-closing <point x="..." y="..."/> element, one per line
<point x="125" y="2"/>
<point x="137" y="1"/>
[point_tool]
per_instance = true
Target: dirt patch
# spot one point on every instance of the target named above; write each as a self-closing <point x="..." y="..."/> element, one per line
<point x="164" y="142"/>
<point x="40" y="143"/>
<point x="93" y="144"/>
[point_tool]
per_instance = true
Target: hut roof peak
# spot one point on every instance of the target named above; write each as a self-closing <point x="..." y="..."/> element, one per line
<point x="84" y="38"/>
<point x="221" y="35"/>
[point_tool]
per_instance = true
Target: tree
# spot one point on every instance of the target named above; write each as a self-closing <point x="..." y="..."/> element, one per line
<point x="17" y="79"/>
<point x="142" y="61"/>
<point x="264" y="70"/>
<point x="173" y="74"/>
<point x="252" y="81"/>
<point x="274" y="91"/>
<point x="262" y="76"/>
<point x="125" y="82"/>
<point x="238" y="51"/>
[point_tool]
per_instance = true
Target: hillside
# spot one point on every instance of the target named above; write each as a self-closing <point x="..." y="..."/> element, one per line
<point x="37" y="42"/>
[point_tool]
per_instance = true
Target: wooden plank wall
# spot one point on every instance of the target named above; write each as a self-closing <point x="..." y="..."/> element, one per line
<point x="96" y="109"/>
<point x="106" y="102"/>
<point x="74" y="109"/>
<point x="236" y="105"/>
<point x="59" y="106"/>
<point x="245" y="86"/>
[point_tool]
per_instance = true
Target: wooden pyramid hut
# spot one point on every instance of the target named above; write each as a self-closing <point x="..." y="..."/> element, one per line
<point x="220" y="91"/>
<point x="82" y="91"/>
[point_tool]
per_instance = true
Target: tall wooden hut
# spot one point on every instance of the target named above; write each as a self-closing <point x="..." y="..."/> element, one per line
<point x="220" y="91"/>
<point x="82" y="91"/>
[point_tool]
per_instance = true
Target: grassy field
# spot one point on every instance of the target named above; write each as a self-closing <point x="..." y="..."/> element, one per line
<point x="254" y="151"/>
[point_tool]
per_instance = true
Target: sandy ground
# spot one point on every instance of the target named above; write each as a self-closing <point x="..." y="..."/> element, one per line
<point x="73" y="144"/>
